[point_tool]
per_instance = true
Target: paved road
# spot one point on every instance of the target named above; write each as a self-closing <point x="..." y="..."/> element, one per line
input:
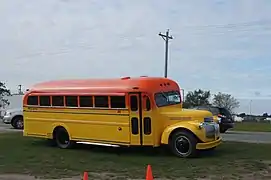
<point x="251" y="137"/>
<point x="239" y="136"/>
<point x="6" y="128"/>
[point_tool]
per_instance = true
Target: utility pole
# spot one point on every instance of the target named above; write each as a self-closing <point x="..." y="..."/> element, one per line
<point x="250" y="102"/>
<point x="183" y="95"/>
<point x="166" y="39"/>
<point x="20" y="89"/>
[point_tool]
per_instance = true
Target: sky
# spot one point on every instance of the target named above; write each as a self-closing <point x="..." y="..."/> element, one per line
<point x="217" y="45"/>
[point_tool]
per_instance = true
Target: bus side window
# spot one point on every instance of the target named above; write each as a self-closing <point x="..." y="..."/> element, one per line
<point x="57" y="100"/>
<point x="71" y="101"/>
<point x="45" y="101"/>
<point x="101" y="101"/>
<point x="133" y="103"/>
<point x="117" y="101"/>
<point x="85" y="101"/>
<point x="32" y="100"/>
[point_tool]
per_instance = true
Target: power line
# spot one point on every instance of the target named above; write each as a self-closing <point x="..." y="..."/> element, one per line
<point x="212" y="29"/>
<point x="232" y="25"/>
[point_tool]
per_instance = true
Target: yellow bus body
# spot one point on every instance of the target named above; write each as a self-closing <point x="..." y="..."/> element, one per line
<point x="114" y="125"/>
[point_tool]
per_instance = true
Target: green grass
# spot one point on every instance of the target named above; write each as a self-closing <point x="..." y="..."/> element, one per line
<point x="252" y="126"/>
<point x="35" y="157"/>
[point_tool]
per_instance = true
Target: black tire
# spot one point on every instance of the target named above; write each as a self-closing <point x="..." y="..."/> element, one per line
<point x="183" y="144"/>
<point x="18" y="122"/>
<point x="62" y="139"/>
<point x="223" y="130"/>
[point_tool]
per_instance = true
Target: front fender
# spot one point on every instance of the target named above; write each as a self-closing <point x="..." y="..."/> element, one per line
<point x="193" y="127"/>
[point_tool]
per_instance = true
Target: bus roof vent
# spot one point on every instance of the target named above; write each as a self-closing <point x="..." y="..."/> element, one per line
<point x="143" y="76"/>
<point x="125" y="78"/>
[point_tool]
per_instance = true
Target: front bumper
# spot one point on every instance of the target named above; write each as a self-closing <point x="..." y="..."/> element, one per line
<point x="7" y="119"/>
<point x="209" y="145"/>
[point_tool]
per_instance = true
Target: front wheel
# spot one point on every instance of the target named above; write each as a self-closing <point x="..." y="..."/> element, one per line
<point x="18" y="122"/>
<point x="183" y="144"/>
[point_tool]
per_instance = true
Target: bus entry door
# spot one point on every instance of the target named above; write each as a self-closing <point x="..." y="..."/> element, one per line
<point x="147" y="125"/>
<point x="135" y="119"/>
<point x="140" y="119"/>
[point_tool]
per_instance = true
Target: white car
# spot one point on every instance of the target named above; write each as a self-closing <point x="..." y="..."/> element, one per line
<point x="14" y="117"/>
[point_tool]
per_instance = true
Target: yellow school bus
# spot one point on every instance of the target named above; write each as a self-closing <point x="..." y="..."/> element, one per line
<point x="140" y="111"/>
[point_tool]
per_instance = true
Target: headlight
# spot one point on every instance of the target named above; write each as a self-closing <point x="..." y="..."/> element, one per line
<point x="201" y="125"/>
<point x="7" y="113"/>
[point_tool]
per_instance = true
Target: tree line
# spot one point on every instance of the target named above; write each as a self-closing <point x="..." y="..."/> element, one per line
<point x="4" y="92"/>
<point x="201" y="97"/>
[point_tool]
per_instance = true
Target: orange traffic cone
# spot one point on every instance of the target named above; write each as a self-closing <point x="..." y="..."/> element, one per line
<point x="149" y="173"/>
<point x="85" y="177"/>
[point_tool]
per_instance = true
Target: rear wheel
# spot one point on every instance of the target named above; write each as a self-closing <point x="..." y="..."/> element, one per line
<point x="62" y="138"/>
<point x="183" y="144"/>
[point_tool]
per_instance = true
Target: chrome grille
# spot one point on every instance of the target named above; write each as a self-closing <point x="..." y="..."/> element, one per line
<point x="210" y="131"/>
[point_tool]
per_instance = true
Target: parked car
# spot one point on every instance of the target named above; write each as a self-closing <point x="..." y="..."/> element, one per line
<point x="221" y="115"/>
<point x="14" y="117"/>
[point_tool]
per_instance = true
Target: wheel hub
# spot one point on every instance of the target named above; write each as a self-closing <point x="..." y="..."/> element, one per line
<point x="182" y="145"/>
<point x="63" y="139"/>
<point x="20" y="124"/>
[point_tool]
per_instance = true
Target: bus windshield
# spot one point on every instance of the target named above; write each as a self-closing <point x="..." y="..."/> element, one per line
<point x="167" y="98"/>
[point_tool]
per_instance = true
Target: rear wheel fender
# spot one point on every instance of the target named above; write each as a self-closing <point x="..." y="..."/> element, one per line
<point x="55" y="125"/>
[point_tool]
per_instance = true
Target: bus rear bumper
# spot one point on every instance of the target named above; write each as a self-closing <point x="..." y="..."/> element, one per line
<point x="209" y="145"/>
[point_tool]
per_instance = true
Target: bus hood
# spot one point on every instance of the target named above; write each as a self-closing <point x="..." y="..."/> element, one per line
<point x="186" y="114"/>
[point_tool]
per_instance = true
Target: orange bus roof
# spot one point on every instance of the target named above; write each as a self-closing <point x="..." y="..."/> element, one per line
<point x="125" y="84"/>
